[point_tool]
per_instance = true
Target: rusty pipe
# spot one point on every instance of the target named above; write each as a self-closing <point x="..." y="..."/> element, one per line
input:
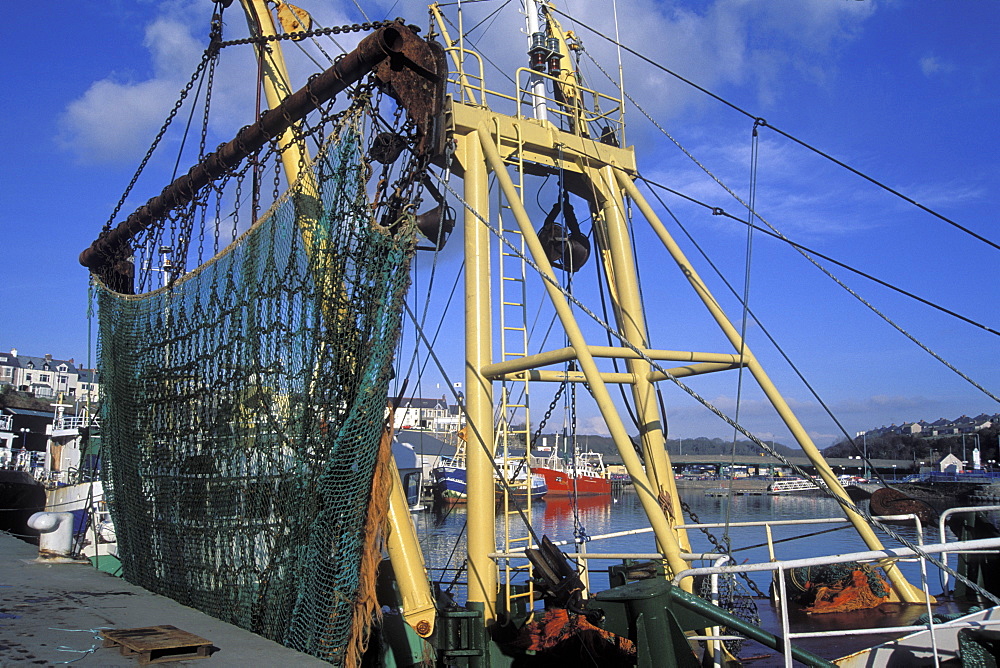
<point x="104" y="253"/>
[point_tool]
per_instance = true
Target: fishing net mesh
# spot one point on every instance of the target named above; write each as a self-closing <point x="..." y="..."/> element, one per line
<point x="243" y="408"/>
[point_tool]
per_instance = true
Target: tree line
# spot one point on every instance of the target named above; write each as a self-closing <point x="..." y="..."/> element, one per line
<point x="918" y="448"/>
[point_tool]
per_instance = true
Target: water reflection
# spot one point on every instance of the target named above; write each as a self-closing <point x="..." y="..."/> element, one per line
<point x="443" y="536"/>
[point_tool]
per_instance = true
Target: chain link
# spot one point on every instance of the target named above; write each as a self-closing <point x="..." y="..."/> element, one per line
<point x="548" y="413"/>
<point x="318" y="32"/>
<point x="719" y="547"/>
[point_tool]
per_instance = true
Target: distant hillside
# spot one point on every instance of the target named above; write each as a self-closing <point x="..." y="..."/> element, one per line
<point x="714" y="447"/>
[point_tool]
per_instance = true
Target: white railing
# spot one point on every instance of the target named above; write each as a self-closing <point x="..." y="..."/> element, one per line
<point x="780" y="567"/>
<point x="990" y="545"/>
<point x="943" y="533"/>
<point x="75" y="422"/>
<point x="5" y="422"/>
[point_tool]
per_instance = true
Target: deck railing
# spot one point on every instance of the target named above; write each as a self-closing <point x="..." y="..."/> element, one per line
<point x="780" y="567"/>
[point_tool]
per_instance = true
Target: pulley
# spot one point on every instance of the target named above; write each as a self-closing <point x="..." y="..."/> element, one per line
<point x="565" y="246"/>
<point x="386" y="147"/>
<point x="437" y="223"/>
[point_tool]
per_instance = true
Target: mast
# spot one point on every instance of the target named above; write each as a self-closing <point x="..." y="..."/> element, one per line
<point x="561" y="142"/>
<point x="536" y="39"/>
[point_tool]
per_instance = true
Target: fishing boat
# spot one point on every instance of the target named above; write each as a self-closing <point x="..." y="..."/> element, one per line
<point x="584" y="475"/>
<point x="449" y="480"/>
<point x="247" y="347"/>
<point x="791" y="485"/>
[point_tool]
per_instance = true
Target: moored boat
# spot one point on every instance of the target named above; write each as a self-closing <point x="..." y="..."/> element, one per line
<point x="791" y="485"/>
<point x="584" y="475"/>
<point x="449" y="480"/>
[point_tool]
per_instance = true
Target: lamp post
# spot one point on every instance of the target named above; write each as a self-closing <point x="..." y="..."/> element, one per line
<point x="24" y="436"/>
<point x="864" y="441"/>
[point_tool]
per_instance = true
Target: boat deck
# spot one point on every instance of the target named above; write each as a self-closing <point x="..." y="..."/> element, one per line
<point x="836" y="646"/>
<point x="52" y="614"/>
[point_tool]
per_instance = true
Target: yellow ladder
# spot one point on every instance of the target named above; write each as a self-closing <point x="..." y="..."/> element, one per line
<point x="514" y="424"/>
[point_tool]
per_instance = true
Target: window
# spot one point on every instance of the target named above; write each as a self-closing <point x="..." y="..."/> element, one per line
<point x="27" y="377"/>
<point x="6" y="372"/>
<point x="62" y="368"/>
<point x="63" y="380"/>
<point x="43" y="378"/>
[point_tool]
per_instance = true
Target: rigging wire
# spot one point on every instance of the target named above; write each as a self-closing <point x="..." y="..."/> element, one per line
<point x="719" y="211"/>
<point x="770" y="338"/>
<point x="847" y="504"/>
<point x="491" y="17"/>
<point x="808" y="257"/>
<point x="752" y="197"/>
<point x="764" y="123"/>
<point x="500" y="70"/>
<point x="500" y="478"/>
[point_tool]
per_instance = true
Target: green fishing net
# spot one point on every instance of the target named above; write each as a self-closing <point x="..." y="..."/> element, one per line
<point x="243" y="408"/>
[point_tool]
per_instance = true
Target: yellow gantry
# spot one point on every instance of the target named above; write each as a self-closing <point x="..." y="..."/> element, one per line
<point x="603" y="174"/>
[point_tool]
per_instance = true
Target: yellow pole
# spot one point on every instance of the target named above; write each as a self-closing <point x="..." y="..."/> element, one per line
<point x="277" y="84"/>
<point x="620" y="266"/>
<point x="647" y="495"/>
<point x="481" y="511"/>
<point x="904" y="590"/>
<point x="404" y="553"/>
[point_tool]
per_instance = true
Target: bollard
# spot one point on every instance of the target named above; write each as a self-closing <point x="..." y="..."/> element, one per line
<point x="56" y="539"/>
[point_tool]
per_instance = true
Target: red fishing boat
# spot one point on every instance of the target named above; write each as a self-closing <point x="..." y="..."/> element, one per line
<point x="584" y="475"/>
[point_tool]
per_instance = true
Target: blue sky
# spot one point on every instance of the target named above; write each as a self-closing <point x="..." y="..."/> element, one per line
<point x="904" y="91"/>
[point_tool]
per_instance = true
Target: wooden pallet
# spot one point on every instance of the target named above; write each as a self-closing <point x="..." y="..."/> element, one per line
<point x="158" y="644"/>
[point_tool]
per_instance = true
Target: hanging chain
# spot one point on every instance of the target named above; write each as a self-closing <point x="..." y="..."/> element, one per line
<point x="211" y="54"/>
<point x="318" y="32"/>
<point x="719" y="547"/>
<point x="548" y="414"/>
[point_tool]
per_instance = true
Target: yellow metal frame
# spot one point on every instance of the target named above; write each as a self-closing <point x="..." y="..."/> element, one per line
<point x="402" y="544"/>
<point x="604" y="174"/>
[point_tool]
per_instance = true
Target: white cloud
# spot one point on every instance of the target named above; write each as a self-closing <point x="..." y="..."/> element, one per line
<point x="931" y="65"/>
<point x="117" y="118"/>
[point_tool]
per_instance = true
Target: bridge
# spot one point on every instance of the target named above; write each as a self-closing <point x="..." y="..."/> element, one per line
<point x="840" y="465"/>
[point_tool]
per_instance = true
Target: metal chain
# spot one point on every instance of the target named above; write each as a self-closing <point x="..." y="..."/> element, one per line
<point x="548" y="414"/>
<point x="318" y="32"/>
<point x="718" y="546"/>
<point x="211" y="53"/>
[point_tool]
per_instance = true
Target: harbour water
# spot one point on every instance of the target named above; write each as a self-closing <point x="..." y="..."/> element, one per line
<point x="442" y="531"/>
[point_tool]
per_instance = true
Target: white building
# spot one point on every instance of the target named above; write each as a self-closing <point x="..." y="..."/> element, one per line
<point x="428" y="414"/>
<point x="48" y="377"/>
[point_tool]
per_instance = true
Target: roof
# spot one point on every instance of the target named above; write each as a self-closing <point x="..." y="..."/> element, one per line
<point x="425" y="444"/>
<point x="29" y="361"/>
<point x="87" y="375"/>
<point x="420" y="402"/>
<point x="25" y="411"/>
<point x="6" y="359"/>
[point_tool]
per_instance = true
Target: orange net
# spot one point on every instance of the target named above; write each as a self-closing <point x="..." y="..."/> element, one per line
<point x="562" y="633"/>
<point x="854" y="592"/>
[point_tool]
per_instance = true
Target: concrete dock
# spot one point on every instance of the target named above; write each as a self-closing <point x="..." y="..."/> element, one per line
<point x="51" y="614"/>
